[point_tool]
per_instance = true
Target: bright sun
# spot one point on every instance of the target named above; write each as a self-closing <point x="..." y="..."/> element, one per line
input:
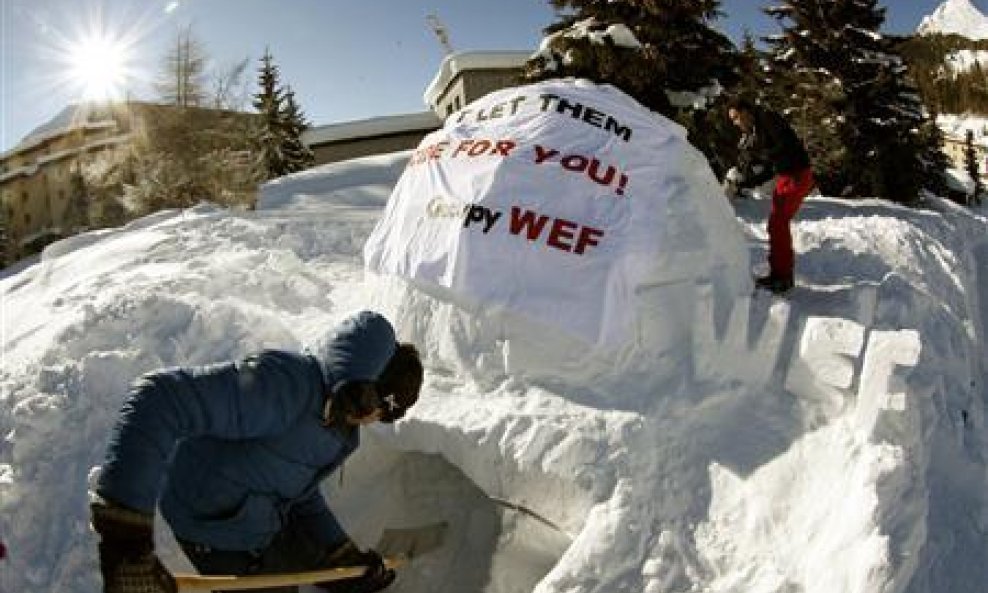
<point x="100" y="65"/>
<point x="93" y="54"/>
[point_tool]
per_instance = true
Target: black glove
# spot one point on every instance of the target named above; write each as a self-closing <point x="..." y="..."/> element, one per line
<point x="126" y="551"/>
<point x="375" y="578"/>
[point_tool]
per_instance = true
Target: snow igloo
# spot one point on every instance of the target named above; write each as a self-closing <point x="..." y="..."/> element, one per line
<point x="559" y="248"/>
<point x="559" y="233"/>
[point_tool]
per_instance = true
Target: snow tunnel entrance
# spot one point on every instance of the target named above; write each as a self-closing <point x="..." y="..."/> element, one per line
<point x="490" y="546"/>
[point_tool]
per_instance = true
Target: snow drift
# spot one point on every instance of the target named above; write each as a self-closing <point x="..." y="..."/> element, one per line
<point x="830" y="442"/>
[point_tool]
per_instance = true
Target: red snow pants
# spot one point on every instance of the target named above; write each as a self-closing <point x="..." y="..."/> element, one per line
<point x="790" y="190"/>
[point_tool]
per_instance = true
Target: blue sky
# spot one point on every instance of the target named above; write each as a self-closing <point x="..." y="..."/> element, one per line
<point x="346" y="59"/>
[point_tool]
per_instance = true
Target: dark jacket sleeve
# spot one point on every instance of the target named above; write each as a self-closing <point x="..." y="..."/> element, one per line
<point x="313" y="514"/>
<point x="262" y="395"/>
<point x="782" y="147"/>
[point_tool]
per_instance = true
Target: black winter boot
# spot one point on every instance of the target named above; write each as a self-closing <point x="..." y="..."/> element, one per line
<point x="775" y="284"/>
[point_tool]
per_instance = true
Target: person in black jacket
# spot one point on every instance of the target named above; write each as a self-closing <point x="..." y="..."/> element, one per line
<point x="769" y="147"/>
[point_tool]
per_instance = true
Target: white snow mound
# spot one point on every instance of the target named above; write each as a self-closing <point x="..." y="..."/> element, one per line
<point x="668" y="248"/>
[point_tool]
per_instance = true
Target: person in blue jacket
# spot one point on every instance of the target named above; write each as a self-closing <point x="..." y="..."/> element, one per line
<point x="233" y="455"/>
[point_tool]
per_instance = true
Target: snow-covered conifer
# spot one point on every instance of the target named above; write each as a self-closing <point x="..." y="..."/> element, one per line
<point x="269" y="135"/>
<point x="278" y="137"/>
<point x="850" y="97"/>
<point x="296" y="154"/>
<point x="972" y="166"/>
<point x="663" y="53"/>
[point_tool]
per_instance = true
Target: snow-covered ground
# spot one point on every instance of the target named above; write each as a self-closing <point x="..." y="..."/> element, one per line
<point x="830" y="442"/>
<point x="957" y="126"/>
<point x="964" y="60"/>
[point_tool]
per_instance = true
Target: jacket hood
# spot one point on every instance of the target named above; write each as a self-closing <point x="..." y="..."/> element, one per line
<point x="357" y="349"/>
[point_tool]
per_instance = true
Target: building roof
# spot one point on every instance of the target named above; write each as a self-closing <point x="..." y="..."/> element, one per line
<point x="32" y="168"/>
<point x="75" y="116"/>
<point x="457" y="62"/>
<point x="375" y="126"/>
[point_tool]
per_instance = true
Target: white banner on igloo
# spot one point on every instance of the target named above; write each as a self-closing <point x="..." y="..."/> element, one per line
<point x="544" y="199"/>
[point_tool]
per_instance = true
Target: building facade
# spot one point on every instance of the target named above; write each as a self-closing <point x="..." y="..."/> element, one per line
<point x="348" y="140"/>
<point x="466" y="76"/>
<point x="43" y="192"/>
<point x="40" y="188"/>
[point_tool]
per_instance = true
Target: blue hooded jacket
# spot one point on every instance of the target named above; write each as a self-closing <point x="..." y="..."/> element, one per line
<point x="236" y="450"/>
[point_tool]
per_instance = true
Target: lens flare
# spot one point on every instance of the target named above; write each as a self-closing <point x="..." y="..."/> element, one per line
<point x="100" y="66"/>
<point x="94" y="54"/>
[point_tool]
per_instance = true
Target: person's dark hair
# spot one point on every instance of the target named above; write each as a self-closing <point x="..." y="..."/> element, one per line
<point x="402" y="379"/>
<point x="356" y="398"/>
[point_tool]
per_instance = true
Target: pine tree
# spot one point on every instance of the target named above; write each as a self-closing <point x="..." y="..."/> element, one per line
<point x="933" y="158"/>
<point x="810" y="96"/>
<point x="280" y="125"/>
<point x="972" y="166"/>
<point x="297" y="154"/>
<point x="679" y="55"/>
<point x="753" y="79"/>
<point x="852" y="100"/>
<point x="268" y="101"/>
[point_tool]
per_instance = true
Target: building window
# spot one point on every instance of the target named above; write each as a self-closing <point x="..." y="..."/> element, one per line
<point x="27" y="218"/>
<point x="24" y="197"/>
<point x="457" y="104"/>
